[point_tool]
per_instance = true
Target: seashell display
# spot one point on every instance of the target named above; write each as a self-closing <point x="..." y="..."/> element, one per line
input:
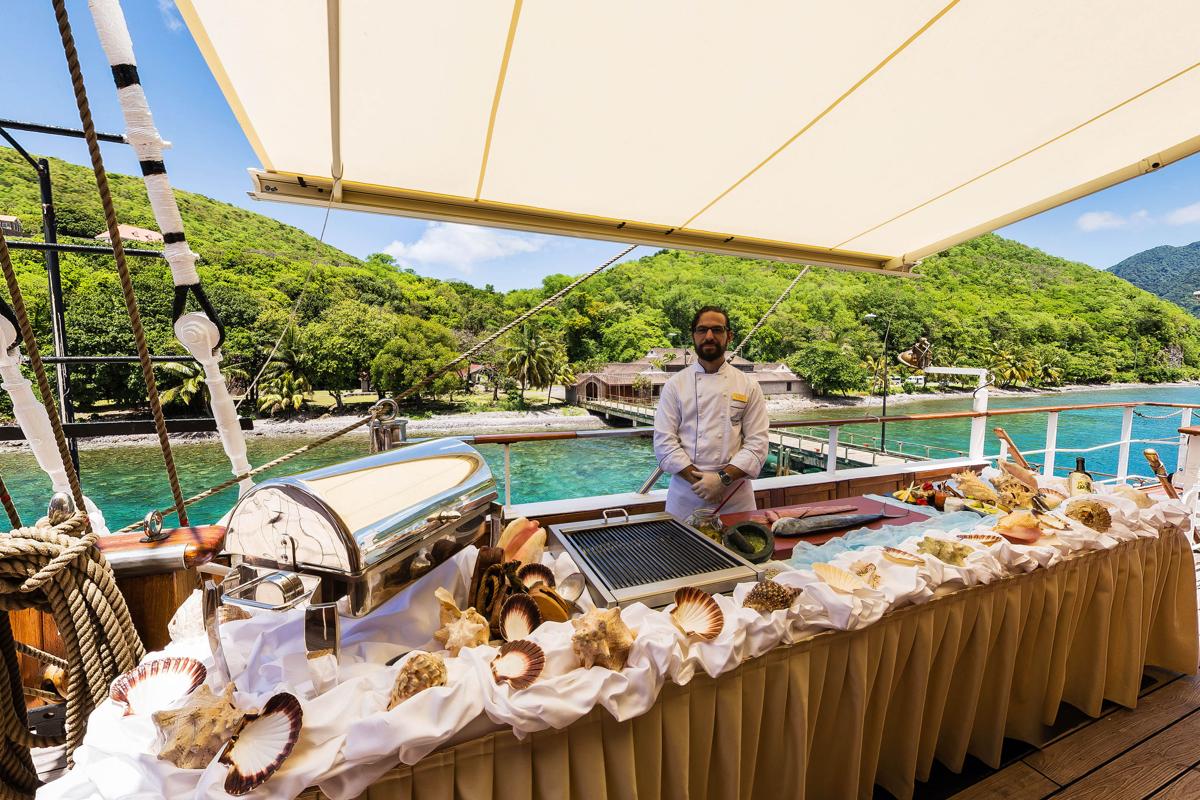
<point x="1090" y="513"/>
<point x="1140" y="499"/>
<point x="952" y="553"/>
<point x="523" y="540"/>
<point x="902" y="557"/>
<point x="533" y="574"/>
<point x="602" y="639"/>
<point x="985" y="539"/>
<point x="697" y="614"/>
<point x="191" y="736"/>
<point x="519" y="618"/>
<point x="156" y="684"/>
<point x="768" y="596"/>
<point x="550" y="605"/>
<point x="975" y="487"/>
<point x="518" y="664"/>
<point x="262" y="745"/>
<point x="1052" y="498"/>
<point x="868" y="572"/>
<point x="486" y="558"/>
<point x="459" y="628"/>
<point x="839" y="579"/>
<point x="419" y="672"/>
<point x="1021" y="527"/>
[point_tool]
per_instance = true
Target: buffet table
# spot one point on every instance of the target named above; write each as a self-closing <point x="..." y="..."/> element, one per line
<point x="840" y="711"/>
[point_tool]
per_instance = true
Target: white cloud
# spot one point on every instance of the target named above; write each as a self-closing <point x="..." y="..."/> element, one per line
<point x="463" y="246"/>
<point x="1188" y="215"/>
<point x="1100" y="220"/>
<point x="170" y="17"/>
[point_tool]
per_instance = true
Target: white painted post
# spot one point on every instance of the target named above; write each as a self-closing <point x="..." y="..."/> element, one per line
<point x="1003" y="450"/>
<point x="1185" y="421"/>
<point x="979" y="424"/>
<point x="507" y="482"/>
<point x="831" y="452"/>
<point x="1126" y="435"/>
<point x="1051" y="443"/>
<point x="199" y="335"/>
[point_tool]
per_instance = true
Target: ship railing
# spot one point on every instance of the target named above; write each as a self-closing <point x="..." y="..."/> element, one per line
<point x="838" y="441"/>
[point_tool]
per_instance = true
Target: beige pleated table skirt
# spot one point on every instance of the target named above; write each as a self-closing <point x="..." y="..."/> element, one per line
<point x="833" y="715"/>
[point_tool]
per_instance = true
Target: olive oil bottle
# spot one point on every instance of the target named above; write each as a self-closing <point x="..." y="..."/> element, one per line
<point x="1080" y="480"/>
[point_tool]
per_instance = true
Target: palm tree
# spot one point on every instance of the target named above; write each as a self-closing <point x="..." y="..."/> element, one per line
<point x="285" y="384"/>
<point x="529" y="359"/>
<point x="185" y="382"/>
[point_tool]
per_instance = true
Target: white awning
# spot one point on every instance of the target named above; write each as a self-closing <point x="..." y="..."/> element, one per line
<point x="864" y="134"/>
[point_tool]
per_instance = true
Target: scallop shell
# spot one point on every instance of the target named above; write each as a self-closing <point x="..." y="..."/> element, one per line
<point x="697" y="614"/>
<point x="551" y="607"/>
<point x="518" y="664"/>
<point x="602" y="639"/>
<point x="768" y="596"/>
<point x="156" y="684"/>
<point x="261" y="746"/>
<point x="531" y="574"/>
<point x="1052" y="497"/>
<point x="1091" y="513"/>
<point x="985" y="539"/>
<point x="419" y="672"/>
<point x="191" y="736"/>
<point x="838" y="578"/>
<point x="902" y="557"/>
<point x="519" y="617"/>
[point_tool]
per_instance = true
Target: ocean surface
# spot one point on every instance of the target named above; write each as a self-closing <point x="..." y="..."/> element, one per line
<point x="128" y="481"/>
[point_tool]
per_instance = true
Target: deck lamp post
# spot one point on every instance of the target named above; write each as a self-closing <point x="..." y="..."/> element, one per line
<point x="871" y="317"/>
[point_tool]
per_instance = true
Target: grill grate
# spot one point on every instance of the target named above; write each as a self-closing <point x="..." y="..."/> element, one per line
<point x="638" y="553"/>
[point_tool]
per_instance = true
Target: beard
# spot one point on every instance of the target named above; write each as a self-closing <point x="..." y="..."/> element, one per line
<point x="710" y="351"/>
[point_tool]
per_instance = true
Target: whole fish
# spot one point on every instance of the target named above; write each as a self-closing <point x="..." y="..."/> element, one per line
<point x="791" y="526"/>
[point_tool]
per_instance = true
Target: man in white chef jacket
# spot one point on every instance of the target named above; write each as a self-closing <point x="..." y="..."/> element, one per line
<point x="710" y="430"/>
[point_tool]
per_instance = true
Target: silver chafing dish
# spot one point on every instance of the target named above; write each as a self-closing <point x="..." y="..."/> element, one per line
<point x="357" y="532"/>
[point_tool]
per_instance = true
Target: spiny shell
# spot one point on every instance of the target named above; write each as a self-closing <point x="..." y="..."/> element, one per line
<point x="902" y="557"/>
<point x="531" y="574"/>
<point x="602" y="639"/>
<point x="985" y="539"/>
<point x="768" y="596"/>
<point x="971" y="485"/>
<point x="518" y="664"/>
<point x="156" y="684"/>
<point x="697" y="614"/>
<point x="841" y="580"/>
<point x="265" y="740"/>
<point x="953" y="553"/>
<point x="459" y="628"/>
<point x="519" y="617"/>
<point x="1091" y="513"/>
<point x="190" y="737"/>
<point x="421" y="671"/>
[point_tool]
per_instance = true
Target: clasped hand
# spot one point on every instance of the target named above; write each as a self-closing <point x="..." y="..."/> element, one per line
<point x="709" y="487"/>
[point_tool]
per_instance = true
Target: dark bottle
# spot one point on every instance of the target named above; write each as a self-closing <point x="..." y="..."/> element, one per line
<point x="1080" y="480"/>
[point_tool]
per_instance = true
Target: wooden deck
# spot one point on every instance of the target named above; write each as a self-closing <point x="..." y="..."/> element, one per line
<point x="1152" y="751"/>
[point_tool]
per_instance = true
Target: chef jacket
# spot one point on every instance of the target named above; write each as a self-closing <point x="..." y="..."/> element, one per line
<point x="709" y="420"/>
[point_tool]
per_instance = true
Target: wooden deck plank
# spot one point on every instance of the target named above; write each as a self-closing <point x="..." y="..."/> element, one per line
<point x="1146" y="768"/>
<point x="1187" y="787"/>
<point x="1080" y="752"/>
<point x="1016" y="782"/>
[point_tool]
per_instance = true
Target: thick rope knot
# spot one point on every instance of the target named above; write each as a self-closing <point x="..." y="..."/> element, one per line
<point x="60" y="571"/>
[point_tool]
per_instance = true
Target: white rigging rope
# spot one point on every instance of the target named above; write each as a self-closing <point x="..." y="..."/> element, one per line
<point x="737" y="351"/>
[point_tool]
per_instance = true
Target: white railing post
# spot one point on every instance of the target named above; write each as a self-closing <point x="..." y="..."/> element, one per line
<point x="507" y="481"/>
<point x="1126" y="435"/>
<point x="1003" y="450"/>
<point x="1051" y="444"/>
<point x="831" y="453"/>
<point x="979" y="424"/>
<point x="1185" y="421"/>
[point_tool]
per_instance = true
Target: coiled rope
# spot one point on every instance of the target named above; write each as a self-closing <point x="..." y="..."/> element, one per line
<point x="59" y="570"/>
<point x="110" y="218"/>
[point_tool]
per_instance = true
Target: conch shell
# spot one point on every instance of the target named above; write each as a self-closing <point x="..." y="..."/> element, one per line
<point x="602" y="639"/>
<point x="1021" y="527"/>
<point x="459" y="628"/>
<point x="190" y="737"/>
<point x="975" y="487"/>
<point x="523" y="540"/>
<point x="420" y="672"/>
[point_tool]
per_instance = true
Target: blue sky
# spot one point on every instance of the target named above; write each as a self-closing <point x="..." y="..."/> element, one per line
<point x="210" y="156"/>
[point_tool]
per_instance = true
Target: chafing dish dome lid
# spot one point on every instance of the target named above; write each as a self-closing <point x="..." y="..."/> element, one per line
<point x="349" y="516"/>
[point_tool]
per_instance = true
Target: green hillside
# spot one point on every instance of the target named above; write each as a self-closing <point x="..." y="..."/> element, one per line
<point x="1032" y="318"/>
<point x="1172" y="273"/>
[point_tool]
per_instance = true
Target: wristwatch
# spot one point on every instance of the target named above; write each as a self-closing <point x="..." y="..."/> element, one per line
<point x="725" y="477"/>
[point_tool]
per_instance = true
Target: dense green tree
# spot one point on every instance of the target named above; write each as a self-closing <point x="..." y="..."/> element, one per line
<point x="344" y="340"/>
<point x="417" y="351"/>
<point x="828" y="369"/>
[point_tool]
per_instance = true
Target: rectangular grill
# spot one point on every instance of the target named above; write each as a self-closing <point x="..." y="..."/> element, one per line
<point x="647" y="557"/>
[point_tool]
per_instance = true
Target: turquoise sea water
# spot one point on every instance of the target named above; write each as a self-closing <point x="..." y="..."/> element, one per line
<point x="126" y="482"/>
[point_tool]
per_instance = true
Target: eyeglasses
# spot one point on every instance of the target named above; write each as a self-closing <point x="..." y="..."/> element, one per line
<point x="701" y="330"/>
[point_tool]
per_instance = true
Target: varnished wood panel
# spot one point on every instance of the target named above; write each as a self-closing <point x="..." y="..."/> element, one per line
<point x="883" y="484"/>
<point x="1186" y="787"/>
<point x="1082" y="751"/>
<point x="1145" y="769"/>
<point x="796" y="495"/>
<point x="1016" y="782"/>
<point x="152" y="600"/>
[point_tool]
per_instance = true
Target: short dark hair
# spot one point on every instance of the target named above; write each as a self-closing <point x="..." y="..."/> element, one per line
<point x="705" y="309"/>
